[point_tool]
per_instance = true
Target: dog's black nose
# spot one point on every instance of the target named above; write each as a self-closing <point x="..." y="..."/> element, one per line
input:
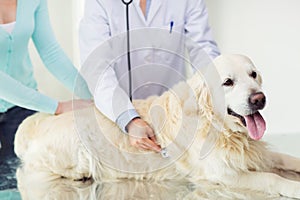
<point x="257" y="101"/>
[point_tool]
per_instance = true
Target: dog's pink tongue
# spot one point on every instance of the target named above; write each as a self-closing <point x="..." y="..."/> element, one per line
<point x="256" y="125"/>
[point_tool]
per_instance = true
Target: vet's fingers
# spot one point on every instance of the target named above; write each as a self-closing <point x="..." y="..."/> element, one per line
<point x="140" y="145"/>
<point x="152" y="145"/>
<point x="153" y="138"/>
<point x="143" y="146"/>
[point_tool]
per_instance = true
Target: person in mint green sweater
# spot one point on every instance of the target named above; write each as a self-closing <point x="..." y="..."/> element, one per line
<point x="20" y="21"/>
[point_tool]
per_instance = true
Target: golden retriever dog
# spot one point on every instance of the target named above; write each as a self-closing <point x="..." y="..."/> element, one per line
<point x="204" y="141"/>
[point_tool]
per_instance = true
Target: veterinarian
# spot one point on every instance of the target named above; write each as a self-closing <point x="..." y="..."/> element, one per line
<point x="20" y="21"/>
<point x="104" y="19"/>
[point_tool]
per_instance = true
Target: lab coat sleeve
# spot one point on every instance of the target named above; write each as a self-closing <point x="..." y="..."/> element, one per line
<point x="197" y="29"/>
<point x="96" y="55"/>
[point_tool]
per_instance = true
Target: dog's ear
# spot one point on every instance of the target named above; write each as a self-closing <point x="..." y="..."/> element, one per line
<point x="205" y="101"/>
<point x="201" y="93"/>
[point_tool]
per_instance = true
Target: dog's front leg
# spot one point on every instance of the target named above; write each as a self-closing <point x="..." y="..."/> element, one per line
<point x="265" y="182"/>
<point x="285" y="162"/>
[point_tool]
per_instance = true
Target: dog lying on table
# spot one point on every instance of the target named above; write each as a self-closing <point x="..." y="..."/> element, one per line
<point x="85" y="144"/>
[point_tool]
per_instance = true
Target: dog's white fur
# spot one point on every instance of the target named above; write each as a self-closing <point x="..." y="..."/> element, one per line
<point x="185" y="119"/>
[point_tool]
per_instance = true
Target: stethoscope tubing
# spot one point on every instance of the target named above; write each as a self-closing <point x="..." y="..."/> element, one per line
<point x="127" y="3"/>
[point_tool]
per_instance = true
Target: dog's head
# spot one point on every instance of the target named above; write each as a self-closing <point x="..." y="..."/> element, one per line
<point x="243" y="94"/>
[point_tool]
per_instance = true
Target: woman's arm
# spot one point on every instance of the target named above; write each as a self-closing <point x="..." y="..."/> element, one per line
<point x="53" y="56"/>
<point x="14" y="92"/>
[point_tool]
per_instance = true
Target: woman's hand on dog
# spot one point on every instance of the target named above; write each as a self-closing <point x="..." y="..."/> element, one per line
<point x="67" y="106"/>
<point x="142" y="136"/>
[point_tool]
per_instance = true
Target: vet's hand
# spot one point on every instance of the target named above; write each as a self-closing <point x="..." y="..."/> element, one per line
<point x="67" y="106"/>
<point x="142" y="136"/>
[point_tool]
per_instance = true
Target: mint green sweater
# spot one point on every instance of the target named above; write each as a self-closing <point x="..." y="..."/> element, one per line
<point x="17" y="83"/>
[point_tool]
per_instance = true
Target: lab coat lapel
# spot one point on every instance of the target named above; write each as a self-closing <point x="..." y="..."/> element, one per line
<point x="139" y="11"/>
<point x="154" y="7"/>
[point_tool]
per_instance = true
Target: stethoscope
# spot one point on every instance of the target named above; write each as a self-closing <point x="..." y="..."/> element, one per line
<point x="127" y="3"/>
<point x="163" y="152"/>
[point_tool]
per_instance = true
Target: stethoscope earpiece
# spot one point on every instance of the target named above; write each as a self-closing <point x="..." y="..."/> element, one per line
<point x="127" y="2"/>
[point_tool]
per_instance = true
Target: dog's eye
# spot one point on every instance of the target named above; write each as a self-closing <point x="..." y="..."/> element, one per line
<point x="253" y="74"/>
<point x="228" y="82"/>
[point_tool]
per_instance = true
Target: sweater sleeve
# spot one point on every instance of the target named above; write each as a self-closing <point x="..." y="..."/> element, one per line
<point x="53" y="56"/>
<point x="13" y="91"/>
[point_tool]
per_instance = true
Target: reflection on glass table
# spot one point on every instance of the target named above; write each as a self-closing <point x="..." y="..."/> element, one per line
<point x="128" y="189"/>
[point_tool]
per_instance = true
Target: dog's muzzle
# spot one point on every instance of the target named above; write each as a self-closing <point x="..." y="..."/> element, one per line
<point x="257" y="101"/>
<point x="254" y="122"/>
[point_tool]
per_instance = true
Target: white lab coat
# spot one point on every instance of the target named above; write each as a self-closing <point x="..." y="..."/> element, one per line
<point x="105" y="19"/>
